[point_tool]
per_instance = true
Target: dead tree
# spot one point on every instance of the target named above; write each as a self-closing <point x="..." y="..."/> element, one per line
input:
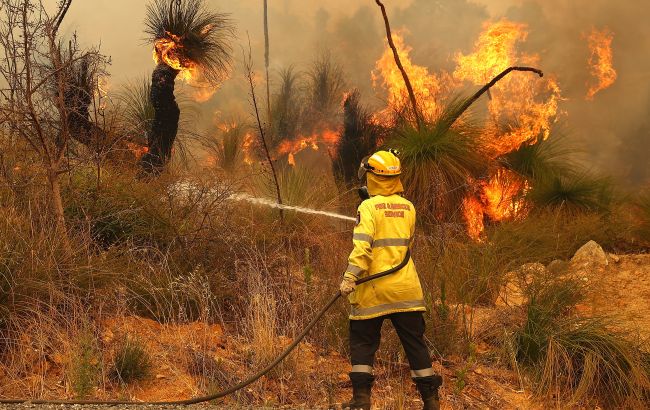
<point x="266" y="59"/>
<point x="36" y="68"/>
<point x="407" y="82"/>
<point x="248" y="64"/>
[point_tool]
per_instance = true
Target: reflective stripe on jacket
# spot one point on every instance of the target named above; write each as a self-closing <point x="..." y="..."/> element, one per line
<point x="384" y="231"/>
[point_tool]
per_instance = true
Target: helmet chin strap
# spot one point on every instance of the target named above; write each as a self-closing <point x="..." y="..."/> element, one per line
<point x="363" y="193"/>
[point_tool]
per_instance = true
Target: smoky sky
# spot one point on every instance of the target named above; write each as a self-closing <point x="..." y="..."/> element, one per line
<point x="613" y="129"/>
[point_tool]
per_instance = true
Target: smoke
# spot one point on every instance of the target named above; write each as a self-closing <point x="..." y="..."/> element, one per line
<point x="612" y="128"/>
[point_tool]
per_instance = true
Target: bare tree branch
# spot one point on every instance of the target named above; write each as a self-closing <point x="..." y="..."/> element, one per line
<point x="248" y="61"/>
<point x="60" y="15"/>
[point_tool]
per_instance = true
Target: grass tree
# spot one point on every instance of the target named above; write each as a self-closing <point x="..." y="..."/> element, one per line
<point x="544" y="159"/>
<point x="287" y="107"/>
<point x="359" y="138"/>
<point x="325" y="87"/>
<point x="138" y="113"/>
<point x="576" y="192"/>
<point x="228" y="150"/>
<point x="440" y="159"/>
<point x="187" y="38"/>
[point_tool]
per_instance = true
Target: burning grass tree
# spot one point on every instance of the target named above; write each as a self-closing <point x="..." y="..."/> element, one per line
<point x="360" y="137"/>
<point x="188" y="40"/>
<point x="440" y="159"/>
<point x="138" y="114"/>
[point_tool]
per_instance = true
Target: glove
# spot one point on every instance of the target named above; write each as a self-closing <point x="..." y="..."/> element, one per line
<point x="347" y="286"/>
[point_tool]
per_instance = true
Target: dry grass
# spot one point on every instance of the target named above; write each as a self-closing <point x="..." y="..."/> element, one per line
<point x="184" y="256"/>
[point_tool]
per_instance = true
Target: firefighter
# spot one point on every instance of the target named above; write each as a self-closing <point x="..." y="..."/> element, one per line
<point x="382" y="236"/>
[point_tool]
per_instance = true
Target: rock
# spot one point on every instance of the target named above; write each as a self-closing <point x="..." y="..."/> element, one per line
<point x="590" y="256"/>
<point x="558" y="267"/>
<point x="529" y="271"/>
<point x="510" y="294"/>
<point x="614" y="258"/>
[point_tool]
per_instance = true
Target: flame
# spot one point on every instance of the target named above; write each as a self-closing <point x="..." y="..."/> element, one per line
<point x="495" y="50"/>
<point x="291" y="148"/>
<point x="601" y="60"/>
<point x="529" y="105"/>
<point x="473" y="214"/>
<point x="500" y="198"/>
<point x="167" y="50"/>
<point x="247" y="147"/>
<point x="503" y="195"/>
<point x="137" y="149"/>
<point x="521" y="99"/>
<point x="426" y="86"/>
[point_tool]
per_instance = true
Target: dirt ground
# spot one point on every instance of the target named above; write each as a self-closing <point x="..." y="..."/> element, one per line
<point x="620" y="288"/>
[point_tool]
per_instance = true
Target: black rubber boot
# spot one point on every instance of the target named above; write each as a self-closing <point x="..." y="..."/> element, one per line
<point x="428" y="388"/>
<point x="361" y="387"/>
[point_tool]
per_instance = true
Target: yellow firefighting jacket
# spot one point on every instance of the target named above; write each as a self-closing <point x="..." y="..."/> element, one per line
<point x="384" y="232"/>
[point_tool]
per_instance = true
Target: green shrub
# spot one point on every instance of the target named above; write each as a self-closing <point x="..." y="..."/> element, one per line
<point x="84" y="371"/>
<point x="576" y="359"/>
<point x="548" y="235"/>
<point x="545" y="159"/>
<point x="123" y="210"/>
<point x="131" y="362"/>
<point x="578" y="192"/>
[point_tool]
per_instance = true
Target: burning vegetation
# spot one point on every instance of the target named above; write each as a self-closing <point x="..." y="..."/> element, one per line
<point x="601" y="61"/>
<point x="114" y="263"/>
<point x="188" y="41"/>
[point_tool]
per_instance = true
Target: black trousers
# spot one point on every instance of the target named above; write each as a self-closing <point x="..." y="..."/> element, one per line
<point x="365" y="336"/>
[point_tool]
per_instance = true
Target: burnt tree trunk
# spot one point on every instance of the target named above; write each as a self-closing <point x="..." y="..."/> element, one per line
<point x="164" y="126"/>
<point x="77" y="99"/>
<point x="359" y="139"/>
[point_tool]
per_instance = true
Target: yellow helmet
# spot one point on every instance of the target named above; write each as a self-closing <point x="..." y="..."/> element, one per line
<point x="384" y="163"/>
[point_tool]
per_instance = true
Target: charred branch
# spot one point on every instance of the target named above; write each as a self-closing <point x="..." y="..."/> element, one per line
<point x="407" y="82"/>
<point x="486" y="88"/>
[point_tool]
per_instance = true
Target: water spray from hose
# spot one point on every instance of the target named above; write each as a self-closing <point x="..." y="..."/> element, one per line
<point x="272" y="204"/>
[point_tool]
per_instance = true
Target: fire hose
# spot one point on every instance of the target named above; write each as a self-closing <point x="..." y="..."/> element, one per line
<point x="239" y="386"/>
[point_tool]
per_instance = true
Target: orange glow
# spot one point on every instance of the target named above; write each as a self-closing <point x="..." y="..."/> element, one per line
<point x="137" y="149"/>
<point x="247" y="147"/>
<point x="601" y="61"/>
<point x="427" y="87"/>
<point x="473" y="215"/>
<point x="503" y="195"/>
<point x="166" y="50"/>
<point x="528" y="104"/>
<point x="203" y="94"/>
<point x="327" y="138"/>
